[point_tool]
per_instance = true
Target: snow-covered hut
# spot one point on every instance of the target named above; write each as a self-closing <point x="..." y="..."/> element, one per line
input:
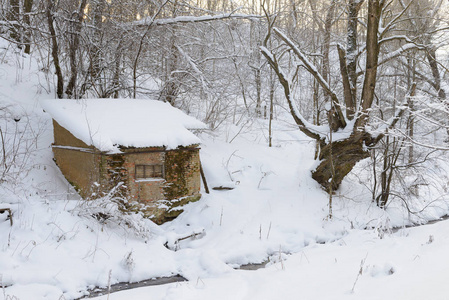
<point x="143" y="149"/>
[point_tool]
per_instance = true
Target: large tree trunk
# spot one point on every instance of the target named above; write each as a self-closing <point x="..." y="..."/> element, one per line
<point x="339" y="158"/>
<point x="372" y="56"/>
<point x="345" y="155"/>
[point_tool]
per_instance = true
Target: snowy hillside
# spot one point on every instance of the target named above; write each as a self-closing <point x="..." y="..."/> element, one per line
<point x="274" y="214"/>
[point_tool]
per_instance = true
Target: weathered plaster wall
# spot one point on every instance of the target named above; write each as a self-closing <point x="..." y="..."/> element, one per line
<point x="80" y="168"/>
<point x="64" y="138"/>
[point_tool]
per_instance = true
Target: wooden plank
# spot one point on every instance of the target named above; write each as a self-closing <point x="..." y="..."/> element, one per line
<point x="203" y="177"/>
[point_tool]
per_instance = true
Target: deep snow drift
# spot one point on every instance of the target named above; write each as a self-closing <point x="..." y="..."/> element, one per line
<point x="276" y="213"/>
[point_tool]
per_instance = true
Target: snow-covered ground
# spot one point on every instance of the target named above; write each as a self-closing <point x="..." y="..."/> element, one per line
<point x="410" y="264"/>
<point x="276" y="214"/>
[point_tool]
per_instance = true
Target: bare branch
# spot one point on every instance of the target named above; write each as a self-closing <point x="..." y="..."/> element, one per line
<point x="304" y="126"/>
<point x="314" y="72"/>
<point x="270" y="24"/>
<point x="395" y="19"/>
<point x="372" y="56"/>
<point x="348" y="95"/>
<point x="397" y="116"/>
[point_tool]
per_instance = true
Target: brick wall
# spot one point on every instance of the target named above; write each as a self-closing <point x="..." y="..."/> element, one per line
<point x="112" y="173"/>
<point x="182" y="171"/>
<point x="144" y="191"/>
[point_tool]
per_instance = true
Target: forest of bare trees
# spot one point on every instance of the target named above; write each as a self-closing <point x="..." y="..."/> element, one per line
<point x="365" y="79"/>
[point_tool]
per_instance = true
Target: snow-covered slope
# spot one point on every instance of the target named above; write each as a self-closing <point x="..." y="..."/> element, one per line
<point x="275" y="213"/>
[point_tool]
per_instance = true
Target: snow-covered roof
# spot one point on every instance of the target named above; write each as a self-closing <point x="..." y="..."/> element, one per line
<point x="109" y="123"/>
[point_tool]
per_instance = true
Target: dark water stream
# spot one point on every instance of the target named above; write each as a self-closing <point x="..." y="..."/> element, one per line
<point x="122" y="286"/>
<point x="443" y="218"/>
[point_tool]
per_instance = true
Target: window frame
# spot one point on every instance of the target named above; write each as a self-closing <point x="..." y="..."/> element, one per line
<point x="150" y="168"/>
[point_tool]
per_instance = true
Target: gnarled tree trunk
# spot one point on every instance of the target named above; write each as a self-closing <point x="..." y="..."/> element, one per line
<point x="345" y="154"/>
<point x="338" y="158"/>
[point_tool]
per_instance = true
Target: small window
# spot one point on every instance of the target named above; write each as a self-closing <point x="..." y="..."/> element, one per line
<point x="149" y="171"/>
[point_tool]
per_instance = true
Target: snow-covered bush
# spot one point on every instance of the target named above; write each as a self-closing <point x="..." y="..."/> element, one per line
<point x="113" y="210"/>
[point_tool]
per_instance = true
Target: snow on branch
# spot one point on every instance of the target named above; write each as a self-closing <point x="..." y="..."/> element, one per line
<point x="394" y="20"/>
<point x="397" y="52"/>
<point x="400" y="37"/>
<point x="194" y="66"/>
<point x="192" y="19"/>
<point x="394" y="54"/>
<point x="310" y="67"/>
<point x="313" y="131"/>
<point x="415" y="142"/>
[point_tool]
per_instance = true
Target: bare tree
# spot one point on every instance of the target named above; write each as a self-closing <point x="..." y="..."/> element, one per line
<point x="339" y="156"/>
<point x="27" y="9"/>
<point x="75" y="33"/>
<point x="55" y="48"/>
<point x="13" y="18"/>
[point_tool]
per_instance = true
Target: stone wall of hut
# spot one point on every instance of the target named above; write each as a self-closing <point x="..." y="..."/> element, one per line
<point x="94" y="174"/>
